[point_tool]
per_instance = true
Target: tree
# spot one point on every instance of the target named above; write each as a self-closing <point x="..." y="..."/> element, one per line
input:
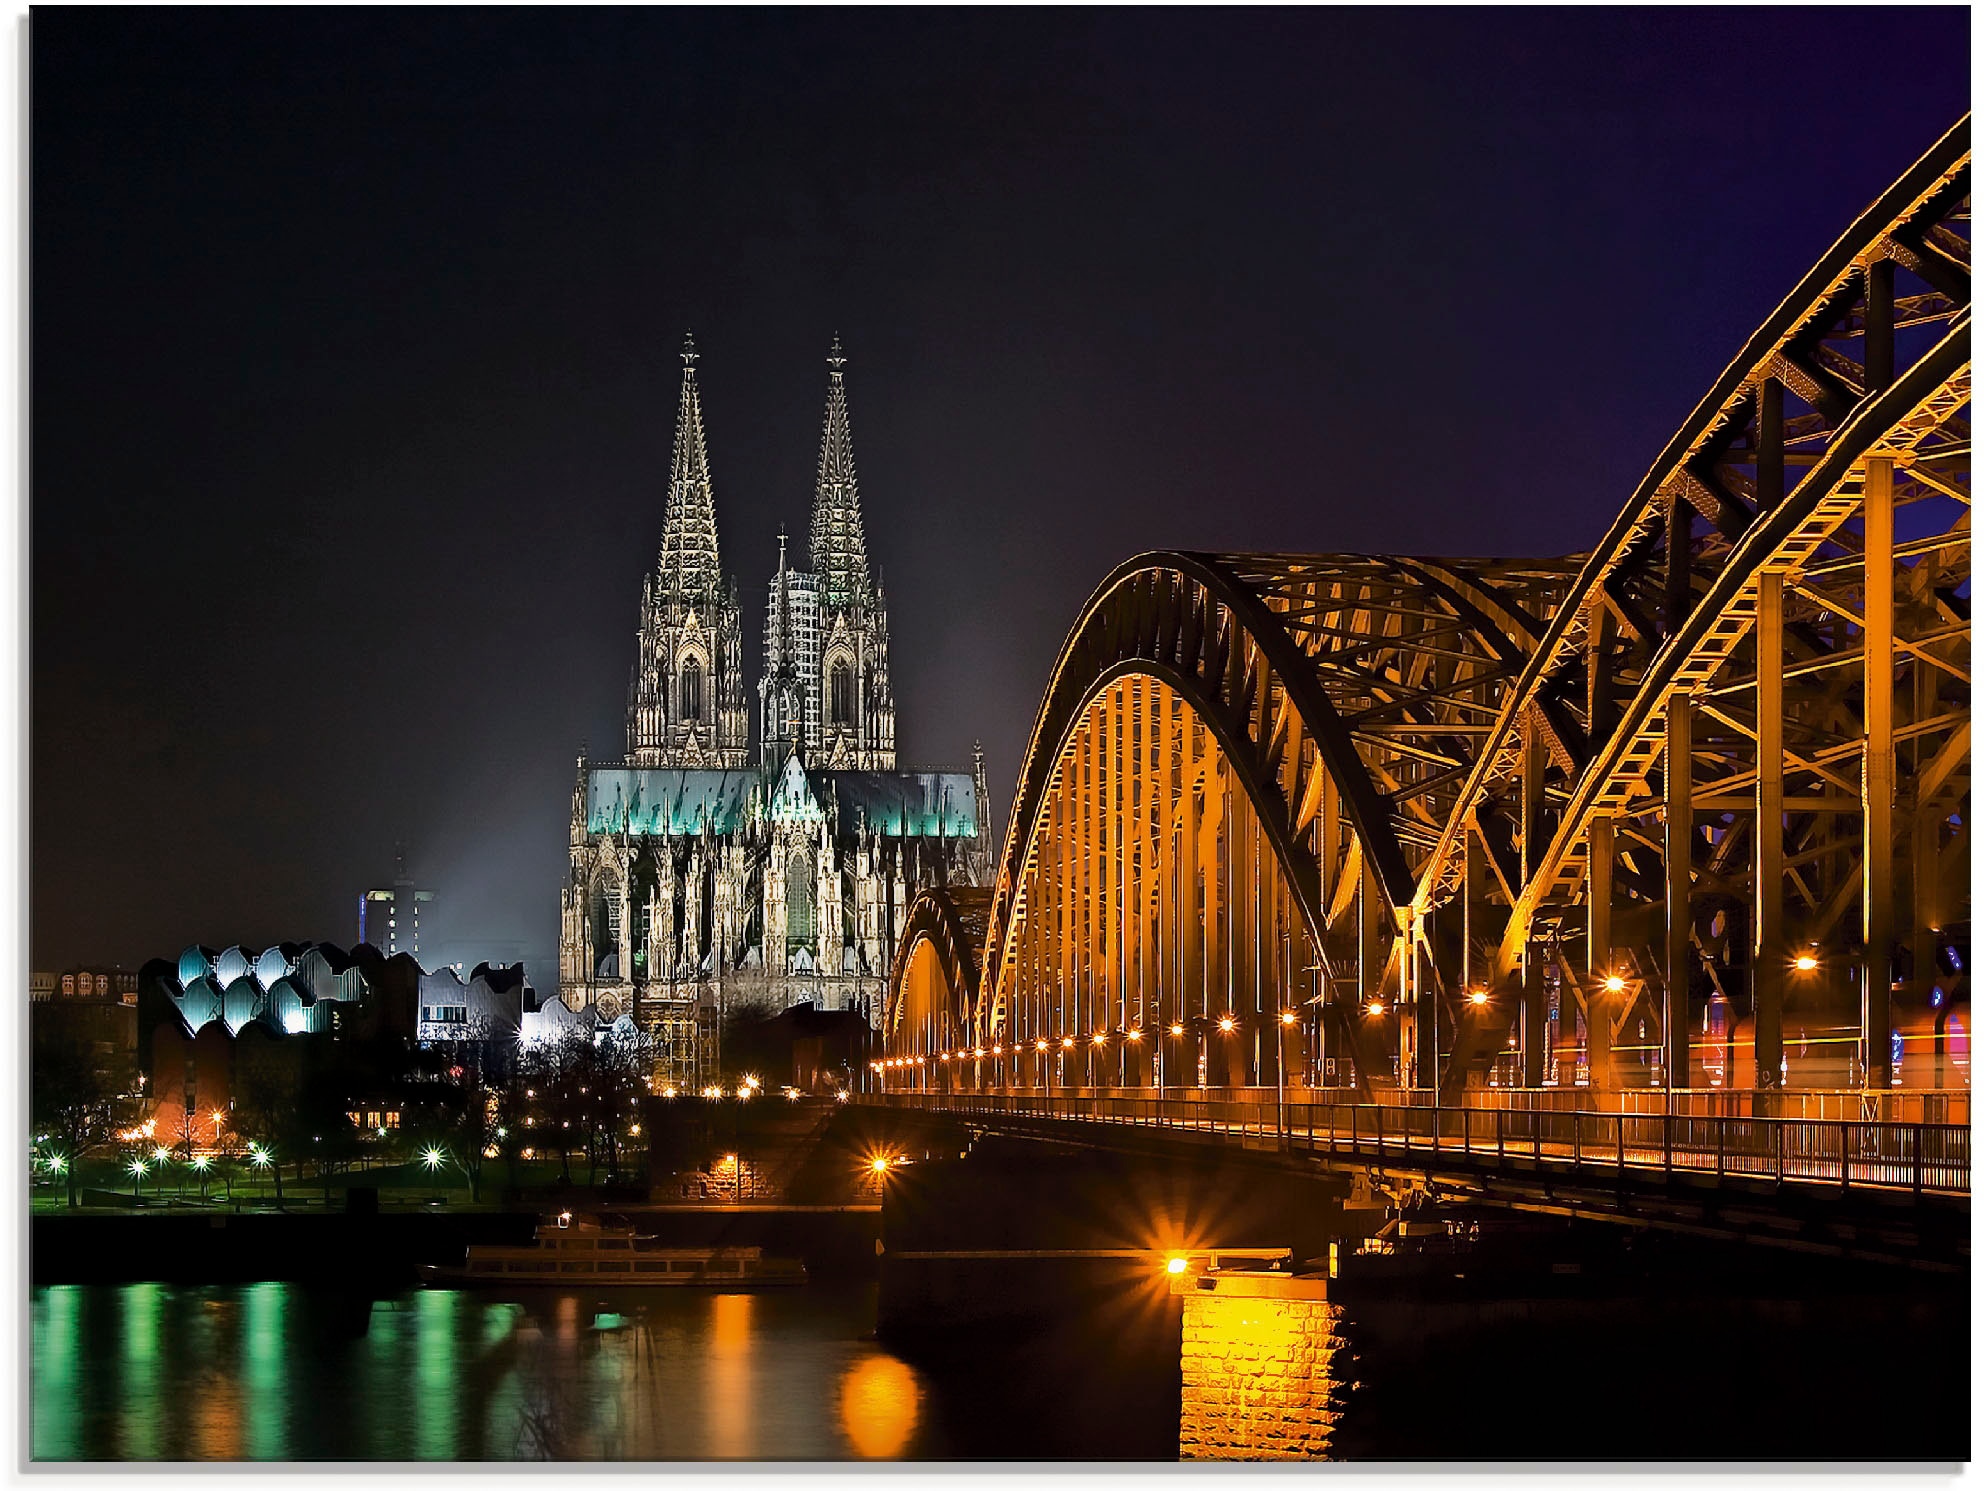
<point x="72" y="1102"/>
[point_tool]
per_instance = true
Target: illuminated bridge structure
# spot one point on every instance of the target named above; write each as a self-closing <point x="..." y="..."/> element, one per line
<point x="1673" y="830"/>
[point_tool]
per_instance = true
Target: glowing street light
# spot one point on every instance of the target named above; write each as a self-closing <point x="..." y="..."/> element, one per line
<point x="1614" y="984"/>
<point x="1098" y="1038"/>
<point x="879" y="1164"/>
<point x="1040" y="1045"/>
<point x="1477" y="996"/>
<point x="1375" y="1007"/>
<point x="161" y="1154"/>
<point x="1226" y="1024"/>
<point x="432" y="1157"/>
<point x="1805" y="962"/>
<point x="1177" y="1028"/>
<point x="1288" y="1017"/>
<point x="56" y="1164"/>
<point x="1175" y="1265"/>
<point x="1067" y="1043"/>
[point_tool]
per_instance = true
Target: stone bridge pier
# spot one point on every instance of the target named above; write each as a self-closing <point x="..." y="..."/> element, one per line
<point x="1124" y="1268"/>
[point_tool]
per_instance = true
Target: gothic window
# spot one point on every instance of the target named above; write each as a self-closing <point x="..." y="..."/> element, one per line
<point x="692" y="690"/>
<point x="798" y="901"/>
<point x="841" y="694"/>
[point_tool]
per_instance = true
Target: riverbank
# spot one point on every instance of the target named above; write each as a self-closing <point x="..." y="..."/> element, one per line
<point x="383" y="1252"/>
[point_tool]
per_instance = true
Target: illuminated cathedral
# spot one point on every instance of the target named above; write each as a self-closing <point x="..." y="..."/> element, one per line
<point x="701" y="878"/>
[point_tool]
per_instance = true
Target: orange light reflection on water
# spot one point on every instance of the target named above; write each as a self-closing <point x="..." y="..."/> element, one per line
<point x="879" y="1401"/>
<point x="729" y="1399"/>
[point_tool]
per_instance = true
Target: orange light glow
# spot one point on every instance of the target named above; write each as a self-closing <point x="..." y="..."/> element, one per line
<point x="1226" y="1023"/>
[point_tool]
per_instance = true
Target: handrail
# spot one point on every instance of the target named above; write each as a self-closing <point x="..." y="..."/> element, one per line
<point x="1919" y="1158"/>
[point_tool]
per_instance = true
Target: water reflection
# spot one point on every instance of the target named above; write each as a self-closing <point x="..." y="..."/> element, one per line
<point x="879" y="1399"/>
<point x="280" y="1372"/>
<point x="265" y="1349"/>
<point x="727" y="1393"/>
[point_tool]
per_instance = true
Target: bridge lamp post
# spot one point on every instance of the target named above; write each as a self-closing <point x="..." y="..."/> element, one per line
<point x="1287" y="1027"/>
<point x="1133" y="1037"/>
<point x="1096" y="1044"/>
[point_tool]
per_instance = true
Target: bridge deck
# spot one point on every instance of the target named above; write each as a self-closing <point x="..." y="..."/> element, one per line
<point x="1836" y="1154"/>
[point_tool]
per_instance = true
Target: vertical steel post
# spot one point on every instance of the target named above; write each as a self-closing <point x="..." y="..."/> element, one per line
<point x="1877" y="782"/>
<point x="1599" y="1005"/>
<point x="1768" y="945"/>
<point x="1679" y="849"/>
<point x="1535" y="1013"/>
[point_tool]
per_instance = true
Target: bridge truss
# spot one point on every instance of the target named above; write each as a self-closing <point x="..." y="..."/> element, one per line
<point x="1601" y="821"/>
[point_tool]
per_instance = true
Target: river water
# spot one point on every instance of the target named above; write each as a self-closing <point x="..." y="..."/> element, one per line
<point x="278" y="1371"/>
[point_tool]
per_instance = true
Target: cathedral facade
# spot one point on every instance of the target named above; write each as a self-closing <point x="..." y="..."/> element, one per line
<point x="702" y="878"/>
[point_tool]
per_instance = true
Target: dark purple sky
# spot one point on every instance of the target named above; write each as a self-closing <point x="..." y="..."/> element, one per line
<point x="354" y="364"/>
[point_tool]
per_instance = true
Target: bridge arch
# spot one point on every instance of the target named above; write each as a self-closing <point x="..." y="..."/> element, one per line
<point x="933" y="978"/>
<point x="1283" y="729"/>
<point x="1582" y="807"/>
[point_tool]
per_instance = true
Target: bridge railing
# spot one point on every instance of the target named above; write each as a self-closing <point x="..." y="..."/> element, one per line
<point x="1922" y="1158"/>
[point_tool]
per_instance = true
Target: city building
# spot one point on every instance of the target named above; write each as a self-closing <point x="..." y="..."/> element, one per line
<point x="217" y="1023"/>
<point x="118" y="985"/>
<point x="700" y="879"/>
<point x="389" y="916"/>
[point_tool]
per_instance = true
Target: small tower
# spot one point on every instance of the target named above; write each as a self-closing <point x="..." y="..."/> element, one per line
<point x="792" y="644"/>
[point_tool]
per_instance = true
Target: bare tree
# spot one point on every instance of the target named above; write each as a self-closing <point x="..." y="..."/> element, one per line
<point x="72" y="1102"/>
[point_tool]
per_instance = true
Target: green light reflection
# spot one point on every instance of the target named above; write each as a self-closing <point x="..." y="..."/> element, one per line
<point x="265" y="1363"/>
<point x="435" y="1425"/>
<point x="57" y="1327"/>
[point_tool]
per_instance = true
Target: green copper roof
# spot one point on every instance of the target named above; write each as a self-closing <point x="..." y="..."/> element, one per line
<point x="905" y="804"/>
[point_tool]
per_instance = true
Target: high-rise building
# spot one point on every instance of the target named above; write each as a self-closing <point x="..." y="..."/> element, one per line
<point x="389" y="916"/>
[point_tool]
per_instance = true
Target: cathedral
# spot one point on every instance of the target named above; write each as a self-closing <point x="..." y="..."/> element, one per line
<point x="702" y="879"/>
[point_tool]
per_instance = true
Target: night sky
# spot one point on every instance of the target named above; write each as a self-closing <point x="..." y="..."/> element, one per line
<point x="354" y="365"/>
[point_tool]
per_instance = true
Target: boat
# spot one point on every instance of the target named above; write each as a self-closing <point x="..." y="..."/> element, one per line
<point x="572" y="1251"/>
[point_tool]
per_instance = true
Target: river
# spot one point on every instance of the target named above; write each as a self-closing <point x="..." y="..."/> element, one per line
<point x="282" y="1372"/>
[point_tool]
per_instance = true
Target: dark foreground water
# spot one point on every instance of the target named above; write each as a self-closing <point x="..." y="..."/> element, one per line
<point x="284" y="1371"/>
<point x="278" y="1371"/>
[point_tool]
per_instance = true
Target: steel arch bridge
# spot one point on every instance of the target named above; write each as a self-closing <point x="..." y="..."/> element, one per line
<point x="1601" y="821"/>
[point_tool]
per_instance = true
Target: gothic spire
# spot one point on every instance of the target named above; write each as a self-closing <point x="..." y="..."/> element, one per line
<point x="837" y="548"/>
<point x="690" y="568"/>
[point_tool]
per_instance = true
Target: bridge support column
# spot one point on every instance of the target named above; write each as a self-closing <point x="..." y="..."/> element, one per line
<point x="1535" y="998"/>
<point x="1601" y="1005"/>
<point x="1877" y="789"/>
<point x="1679" y="852"/>
<point x="1768" y="946"/>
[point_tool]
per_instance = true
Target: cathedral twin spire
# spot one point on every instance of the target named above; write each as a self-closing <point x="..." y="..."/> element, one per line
<point x="690" y="564"/>
<point x="825" y="690"/>
<point x="838" y="549"/>
<point x="686" y="703"/>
